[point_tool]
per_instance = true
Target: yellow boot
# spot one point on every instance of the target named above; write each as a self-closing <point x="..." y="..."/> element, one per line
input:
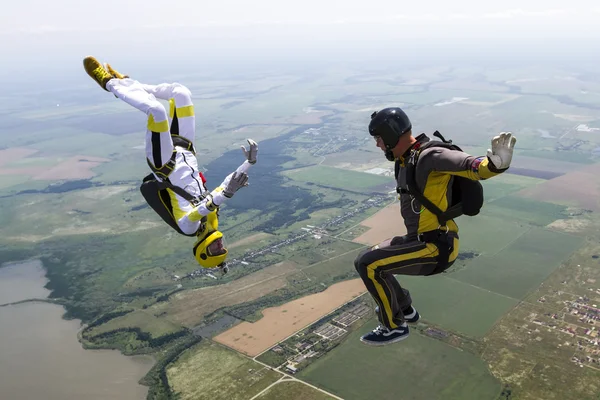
<point x="115" y="73"/>
<point x="97" y="71"/>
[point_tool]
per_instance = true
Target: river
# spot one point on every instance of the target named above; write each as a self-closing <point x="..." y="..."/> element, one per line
<point x="40" y="356"/>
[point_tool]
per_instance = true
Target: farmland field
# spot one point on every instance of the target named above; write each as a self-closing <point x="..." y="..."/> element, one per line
<point x="293" y="390"/>
<point x="385" y="224"/>
<point x="521" y="266"/>
<point x="580" y="188"/>
<point x="399" y="371"/>
<point x="191" y="306"/>
<point x="486" y="234"/>
<point x="339" y="178"/>
<point x="455" y="305"/>
<point x="514" y="207"/>
<point x="210" y="371"/>
<point x="280" y="322"/>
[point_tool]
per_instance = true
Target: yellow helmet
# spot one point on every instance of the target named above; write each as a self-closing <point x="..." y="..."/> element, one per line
<point x="206" y="237"/>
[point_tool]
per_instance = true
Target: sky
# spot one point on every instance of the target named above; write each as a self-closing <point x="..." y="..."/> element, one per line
<point x="60" y="33"/>
<point x="488" y="18"/>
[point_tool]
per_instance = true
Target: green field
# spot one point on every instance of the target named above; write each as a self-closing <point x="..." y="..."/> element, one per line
<point x="418" y="368"/>
<point x="310" y="250"/>
<point x="521" y="266"/>
<point x="293" y="390"/>
<point x="210" y="371"/>
<point x="505" y="184"/>
<point x="73" y="142"/>
<point x="524" y="210"/>
<point x="338" y="178"/>
<point x="147" y="322"/>
<point x="130" y="166"/>
<point x="455" y="305"/>
<point x="485" y="234"/>
<point x="340" y="266"/>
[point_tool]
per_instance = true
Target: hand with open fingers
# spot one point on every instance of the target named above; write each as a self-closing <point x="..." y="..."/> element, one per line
<point x="251" y="155"/>
<point x="238" y="180"/>
<point x="501" y="153"/>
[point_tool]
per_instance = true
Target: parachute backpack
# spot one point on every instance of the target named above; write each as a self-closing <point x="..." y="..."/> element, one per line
<point x="154" y="191"/>
<point x="158" y="198"/>
<point x="467" y="194"/>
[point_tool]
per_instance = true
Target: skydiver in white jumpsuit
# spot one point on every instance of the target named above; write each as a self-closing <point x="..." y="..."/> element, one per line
<point x="170" y="154"/>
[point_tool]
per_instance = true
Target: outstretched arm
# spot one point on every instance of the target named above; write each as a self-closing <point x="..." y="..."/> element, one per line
<point x="475" y="168"/>
<point x="232" y="182"/>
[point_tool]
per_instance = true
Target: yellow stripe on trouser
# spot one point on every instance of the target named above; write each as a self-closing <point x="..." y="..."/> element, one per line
<point x="153" y="126"/>
<point x="429" y="251"/>
<point x="182" y="112"/>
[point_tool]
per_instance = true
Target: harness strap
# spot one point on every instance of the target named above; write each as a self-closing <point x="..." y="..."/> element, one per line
<point x="166" y="169"/>
<point x="442" y="216"/>
<point x="169" y="166"/>
<point x="184" y="143"/>
<point x="444" y="240"/>
<point x="195" y="200"/>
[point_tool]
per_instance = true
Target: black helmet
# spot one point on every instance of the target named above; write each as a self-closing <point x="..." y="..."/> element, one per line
<point x="389" y="123"/>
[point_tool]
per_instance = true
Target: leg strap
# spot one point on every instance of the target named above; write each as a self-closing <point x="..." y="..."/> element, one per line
<point x="444" y="241"/>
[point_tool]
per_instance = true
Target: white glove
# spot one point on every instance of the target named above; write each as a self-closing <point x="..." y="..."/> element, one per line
<point x="251" y="155"/>
<point x="502" y="150"/>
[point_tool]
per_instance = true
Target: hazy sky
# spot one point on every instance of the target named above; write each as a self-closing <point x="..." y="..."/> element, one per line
<point x="488" y="17"/>
<point x="61" y="32"/>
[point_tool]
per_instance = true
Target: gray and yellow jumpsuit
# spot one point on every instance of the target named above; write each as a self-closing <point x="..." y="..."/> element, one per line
<point x="414" y="253"/>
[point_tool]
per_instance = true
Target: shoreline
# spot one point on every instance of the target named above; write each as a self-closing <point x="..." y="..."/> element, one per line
<point x="145" y="362"/>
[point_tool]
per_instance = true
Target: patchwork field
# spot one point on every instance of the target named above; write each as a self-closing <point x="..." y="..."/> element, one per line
<point x="385" y="224"/>
<point x="505" y="184"/>
<point x="191" y="306"/>
<point x="339" y="178"/>
<point x="579" y="188"/>
<point x="288" y="389"/>
<point x="210" y="371"/>
<point x="248" y="240"/>
<point x="455" y="305"/>
<point x="340" y="266"/>
<point x="281" y="322"/>
<point x="18" y="162"/>
<point x="523" y="265"/>
<point x="524" y="210"/>
<point x="398" y="371"/>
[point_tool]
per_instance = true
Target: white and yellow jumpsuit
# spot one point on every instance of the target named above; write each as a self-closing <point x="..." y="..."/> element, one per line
<point x="166" y="160"/>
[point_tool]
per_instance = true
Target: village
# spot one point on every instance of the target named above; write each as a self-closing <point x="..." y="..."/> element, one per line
<point x="579" y="319"/>
<point x="298" y="351"/>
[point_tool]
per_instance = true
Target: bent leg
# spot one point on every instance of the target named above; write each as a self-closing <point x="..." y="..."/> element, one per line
<point x="377" y="266"/>
<point x="159" y="146"/>
<point x="182" y="118"/>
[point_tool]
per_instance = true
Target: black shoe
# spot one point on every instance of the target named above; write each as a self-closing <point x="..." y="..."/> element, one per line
<point x="411" y="315"/>
<point x="381" y="335"/>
